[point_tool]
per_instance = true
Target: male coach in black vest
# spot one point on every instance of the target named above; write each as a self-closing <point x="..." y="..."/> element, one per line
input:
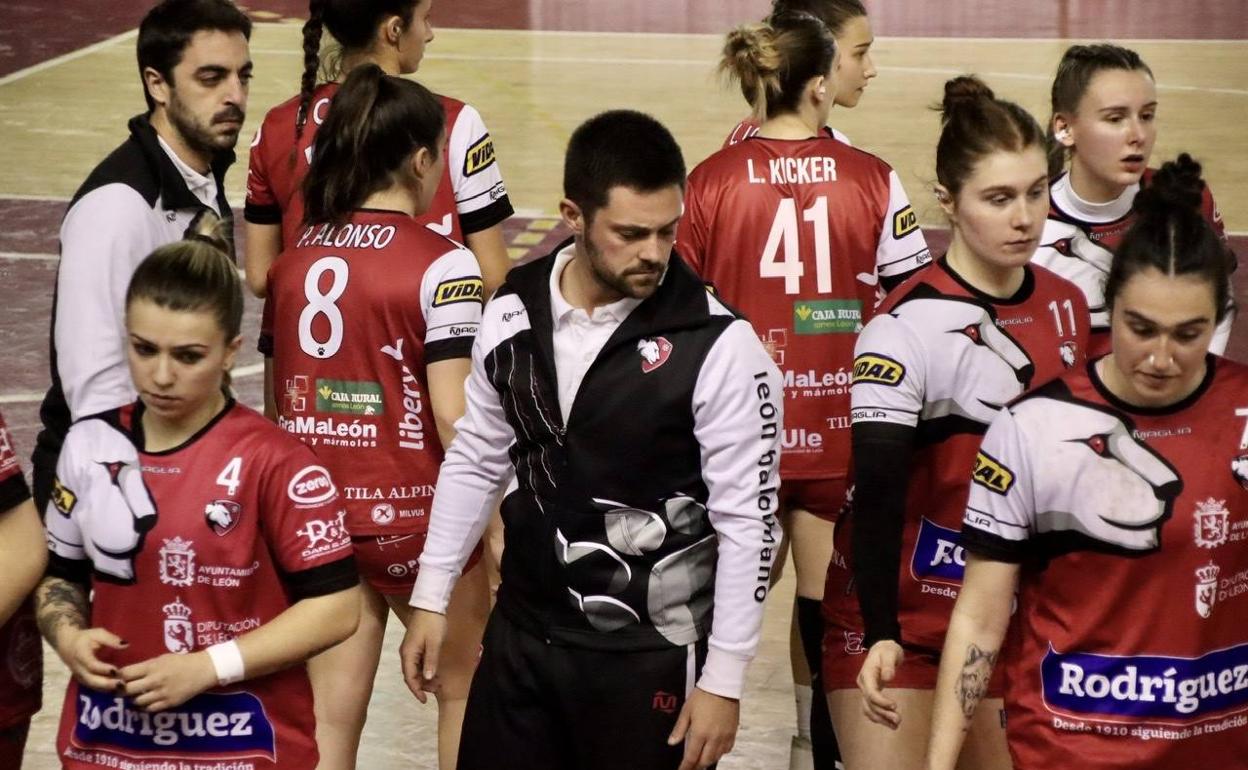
<point x="642" y="419"/>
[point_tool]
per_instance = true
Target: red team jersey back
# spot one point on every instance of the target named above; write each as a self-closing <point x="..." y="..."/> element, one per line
<point x="191" y="547"/>
<point x="798" y="235"/>
<point x="359" y="312"/>
<point x="1080" y="238"/>
<point x="943" y="357"/>
<point x="21" y="652"/>
<point x="1147" y="665"/>
<point x="471" y="196"/>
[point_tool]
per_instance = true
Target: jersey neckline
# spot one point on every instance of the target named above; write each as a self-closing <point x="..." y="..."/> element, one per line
<point x="1024" y="292"/>
<point x="1211" y="365"/>
<point x="140" y="441"/>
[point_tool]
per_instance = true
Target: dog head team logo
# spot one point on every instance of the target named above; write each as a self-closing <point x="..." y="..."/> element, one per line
<point x="127" y="514"/>
<point x="1211" y="523"/>
<point x="1069" y="352"/>
<point x="177" y="563"/>
<point x="222" y="515"/>
<point x="1239" y="469"/>
<point x="1206" y="589"/>
<point x="654" y="353"/>
<point x="179" y="633"/>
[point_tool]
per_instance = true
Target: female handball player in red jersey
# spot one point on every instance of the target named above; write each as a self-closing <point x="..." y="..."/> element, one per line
<point x="1105" y="120"/>
<point x="946" y="350"/>
<point x="373" y="320"/>
<point x="848" y="22"/>
<point x="23" y="556"/>
<point x="198" y="554"/>
<point x="801" y="232"/>
<point x="1115" y="515"/>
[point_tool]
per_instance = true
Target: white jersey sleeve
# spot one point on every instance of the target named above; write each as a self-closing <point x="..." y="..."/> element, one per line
<point x="902" y="249"/>
<point x="450" y="299"/>
<point x="477" y="464"/>
<point x="103" y="239"/>
<point x="890" y="372"/>
<point x="1001" y="503"/>
<point x="475" y="174"/>
<point x="737" y="410"/>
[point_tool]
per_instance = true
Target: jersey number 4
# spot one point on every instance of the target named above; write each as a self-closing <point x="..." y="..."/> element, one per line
<point x="323" y="305"/>
<point x="782" y="256"/>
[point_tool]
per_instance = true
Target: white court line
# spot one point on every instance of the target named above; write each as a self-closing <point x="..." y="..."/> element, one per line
<point x="29" y="256"/>
<point x="36" y="198"/>
<point x="66" y="57"/>
<point x="32" y="397"/>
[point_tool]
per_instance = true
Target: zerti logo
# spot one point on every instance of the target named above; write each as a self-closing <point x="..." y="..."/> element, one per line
<point x="654" y="353"/>
<point x="991" y="474"/>
<point x="210" y="725"/>
<point x="937" y="555"/>
<point x="311" y="486"/>
<point x="349" y="397"/>
<point x="881" y="370"/>
<point x="827" y="316"/>
<point x="1147" y="686"/>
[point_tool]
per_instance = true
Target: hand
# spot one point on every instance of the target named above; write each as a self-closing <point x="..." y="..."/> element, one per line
<point x="168" y="680"/>
<point x="78" y="647"/>
<point x="708" y="726"/>
<point x="419" y="652"/>
<point x="883" y="660"/>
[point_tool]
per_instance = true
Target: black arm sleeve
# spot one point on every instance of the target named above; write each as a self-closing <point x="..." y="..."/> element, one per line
<point x="882" y="453"/>
<point x="323" y="580"/>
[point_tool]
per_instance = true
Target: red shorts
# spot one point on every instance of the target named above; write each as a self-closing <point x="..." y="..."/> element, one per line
<point x="388" y="563"/>
<point x="843" y="656"/>
<point x="821" y="497"/>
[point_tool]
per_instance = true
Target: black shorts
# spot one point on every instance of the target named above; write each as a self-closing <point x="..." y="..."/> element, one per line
<point x="539" y="706"/>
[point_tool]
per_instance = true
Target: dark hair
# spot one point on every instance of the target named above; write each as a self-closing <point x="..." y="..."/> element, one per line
<point x="375" y="123"/>
<point x="975" y="123"/>
<point x="835" y="14"/>
<point x="1075" y="71"/>
<point x="167" y="29"/>
<point x="1170" y="234"/>
<point x="353" y="23"/>
<point x="620" y="148"/>
<point x="774" y="60"/>
<point x="194" y="274"/>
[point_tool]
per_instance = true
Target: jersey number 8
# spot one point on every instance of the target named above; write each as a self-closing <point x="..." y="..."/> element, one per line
<point x="784" y="231"/>
<point x="323" y="304"/>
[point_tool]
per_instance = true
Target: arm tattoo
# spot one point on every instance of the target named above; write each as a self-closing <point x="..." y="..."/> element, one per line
<point x="973" y="679"/>
<point x="60" y="603"/>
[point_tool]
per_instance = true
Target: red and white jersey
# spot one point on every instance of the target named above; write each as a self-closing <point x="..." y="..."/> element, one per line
<point x="184" y="549"/>
<point x="749" y="127"/>
<point x="358" y="312"/>
<point x="943" y="357"/>
<point x="21" y="652"/>
<point x="1129" y="647"/>
<point x="797" y="235"/>
<point x="471" y="197"/>
<point x="1079" y="241"/>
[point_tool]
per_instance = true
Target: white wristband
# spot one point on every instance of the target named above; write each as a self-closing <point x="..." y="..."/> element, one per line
<point x="227" y="659"/>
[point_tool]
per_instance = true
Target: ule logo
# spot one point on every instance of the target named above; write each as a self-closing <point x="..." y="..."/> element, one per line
<point x="179" y="633"/>
<point x="654" y="353"/>
<point x="665" y="702"/>
<point x="222" y="515"/>
<point x="1211" y="523"/>
<point x="177" y="563"/>
<point x="1206" y="588"/>
<point x="297" y="389"/>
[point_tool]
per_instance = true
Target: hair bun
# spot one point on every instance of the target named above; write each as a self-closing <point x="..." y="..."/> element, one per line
<point x="962" y="92"/>
<point x="751" y="48"/>
<point x="1176" y="185"/>
<point x="211" y="229"/>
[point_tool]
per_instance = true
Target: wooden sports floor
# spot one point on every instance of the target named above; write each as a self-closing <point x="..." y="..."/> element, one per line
<point x="535" y="70"/>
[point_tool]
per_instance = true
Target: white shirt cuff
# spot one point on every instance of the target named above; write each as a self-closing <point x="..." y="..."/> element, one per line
<point x="433" y="588"/>
<point x="723" y="674"/>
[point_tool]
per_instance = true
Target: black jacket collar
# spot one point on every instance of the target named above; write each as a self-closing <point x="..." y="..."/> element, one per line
<point x="174" y="194"/>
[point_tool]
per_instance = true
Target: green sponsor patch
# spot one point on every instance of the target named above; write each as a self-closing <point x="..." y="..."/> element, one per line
<point x="827" y="316"/>
<point x="349" y="397"/>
